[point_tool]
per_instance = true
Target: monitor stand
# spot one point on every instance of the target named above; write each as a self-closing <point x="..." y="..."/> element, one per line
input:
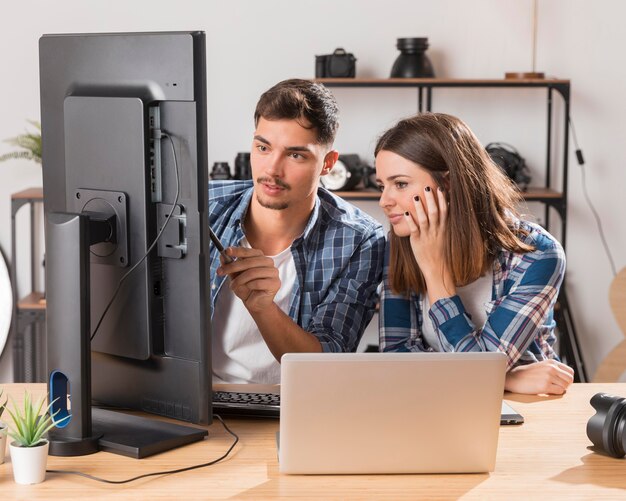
<point x="80" y="429"/>
<point x="139" y="437"/>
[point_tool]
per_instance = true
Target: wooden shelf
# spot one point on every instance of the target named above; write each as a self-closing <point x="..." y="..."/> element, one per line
<point x="441" y="82"/>
<point x="29" y="194"/>
<point x="33" y="301"/>
<point x="532" y="195"/>
<point x="358" y="194"/>
<point x="541" y="194"/>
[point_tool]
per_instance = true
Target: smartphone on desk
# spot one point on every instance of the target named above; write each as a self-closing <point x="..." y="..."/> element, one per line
<point x="219" y="246"/>
<point x="508" y="415"/>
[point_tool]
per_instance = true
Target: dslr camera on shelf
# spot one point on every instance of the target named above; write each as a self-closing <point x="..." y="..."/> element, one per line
<point x="348" y="172"/>
<point x="339" y="64"/>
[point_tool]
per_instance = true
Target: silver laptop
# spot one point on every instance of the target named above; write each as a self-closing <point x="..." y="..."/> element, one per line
<point x="390" y="412"/>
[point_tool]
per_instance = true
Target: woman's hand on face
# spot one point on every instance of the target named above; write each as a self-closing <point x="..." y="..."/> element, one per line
<point x="548" y="376"/>
<point x="428" y="241"/>
<point x="428" y="225"/>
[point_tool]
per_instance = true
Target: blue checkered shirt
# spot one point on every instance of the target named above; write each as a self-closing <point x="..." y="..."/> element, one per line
<point x="338" y="260"/>
<point x="519" y="321"/>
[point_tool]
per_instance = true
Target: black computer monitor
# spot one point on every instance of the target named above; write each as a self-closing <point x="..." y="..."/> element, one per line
<point x="124" y="133"/>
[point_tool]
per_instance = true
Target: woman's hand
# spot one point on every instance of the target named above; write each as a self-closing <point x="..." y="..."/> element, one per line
<point x="428" y="243"/>
<point x="547" y="376"/>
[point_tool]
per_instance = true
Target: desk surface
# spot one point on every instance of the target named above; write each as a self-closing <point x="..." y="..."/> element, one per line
<point x="547" y="457"/>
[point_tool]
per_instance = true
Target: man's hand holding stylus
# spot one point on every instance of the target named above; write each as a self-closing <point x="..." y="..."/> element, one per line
<point x="253" y="277"/>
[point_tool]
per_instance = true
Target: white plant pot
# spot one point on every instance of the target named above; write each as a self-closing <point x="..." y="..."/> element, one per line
<point x="29" y="463"/>
<point x="3" y="440"/>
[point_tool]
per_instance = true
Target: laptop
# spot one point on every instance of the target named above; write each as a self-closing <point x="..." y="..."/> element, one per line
<point x="355" y="413"/>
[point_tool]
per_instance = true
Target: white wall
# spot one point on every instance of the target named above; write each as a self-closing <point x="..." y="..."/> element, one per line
<point x="251" y="45"/>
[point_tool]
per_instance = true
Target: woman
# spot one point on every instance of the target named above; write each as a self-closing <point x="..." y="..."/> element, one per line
<point x="462" y="271"/>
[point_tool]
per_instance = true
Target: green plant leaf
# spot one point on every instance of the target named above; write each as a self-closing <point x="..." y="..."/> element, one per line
<point x="30" y="142"/>
<point x="17" y="155"/>
<point x="29" y="423"/>
<point x="46" y="422"/>
<point x="4" y="405"/>
<point x="18" y="433"/>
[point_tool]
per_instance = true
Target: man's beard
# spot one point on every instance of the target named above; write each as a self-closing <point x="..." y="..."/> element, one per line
<point x="277" y="205"/>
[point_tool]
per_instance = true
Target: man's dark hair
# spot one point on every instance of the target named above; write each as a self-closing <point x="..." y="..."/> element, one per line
<point x="301" y="99"/>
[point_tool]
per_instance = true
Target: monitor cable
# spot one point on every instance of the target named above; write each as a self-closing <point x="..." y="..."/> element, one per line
<point x="156" y="134"/>
<point x="581" y="162"/>
<point x="157" y="473"/>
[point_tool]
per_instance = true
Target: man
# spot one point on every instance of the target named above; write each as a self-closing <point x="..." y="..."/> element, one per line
<point x="306" y="264"/>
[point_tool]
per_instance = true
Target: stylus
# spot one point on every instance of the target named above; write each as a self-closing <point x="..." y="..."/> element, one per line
<point x="219" y="246"/>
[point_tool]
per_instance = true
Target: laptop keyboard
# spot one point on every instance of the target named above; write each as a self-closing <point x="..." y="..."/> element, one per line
<point x="235" y="403"/>
<point x="246" y="404"/>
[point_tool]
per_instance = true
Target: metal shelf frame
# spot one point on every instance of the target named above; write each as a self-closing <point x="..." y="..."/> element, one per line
<point x="29" y="312"/>
<point x="569" y="347"/>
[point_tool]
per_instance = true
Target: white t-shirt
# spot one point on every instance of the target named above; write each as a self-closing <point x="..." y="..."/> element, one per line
<point x="474" y="296"/>
<point x="240" y="354"/>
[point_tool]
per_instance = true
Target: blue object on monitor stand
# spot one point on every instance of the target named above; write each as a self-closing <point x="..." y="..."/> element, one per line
<point x="125" y="148"/>
<point x="58" y="397"/>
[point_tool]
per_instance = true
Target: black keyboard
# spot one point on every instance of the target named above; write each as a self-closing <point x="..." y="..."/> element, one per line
<point x="246" y="404"/>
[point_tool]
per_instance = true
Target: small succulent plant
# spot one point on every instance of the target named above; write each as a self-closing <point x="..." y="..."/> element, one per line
<point x="29" y="423"/>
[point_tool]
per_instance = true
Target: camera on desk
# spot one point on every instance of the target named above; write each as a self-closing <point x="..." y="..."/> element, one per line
<point x="607" y="427"/>
<point x="339" y="64"/>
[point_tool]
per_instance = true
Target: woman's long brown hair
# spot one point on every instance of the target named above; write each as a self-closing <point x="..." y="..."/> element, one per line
<point x="482" y="200"/>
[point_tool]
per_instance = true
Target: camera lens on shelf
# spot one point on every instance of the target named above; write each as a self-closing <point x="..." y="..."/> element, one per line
<point x="412" y="62"/>
<point x="320" y="66"/>
<point x="242" y="166"/>
<point x="220" y="170"/>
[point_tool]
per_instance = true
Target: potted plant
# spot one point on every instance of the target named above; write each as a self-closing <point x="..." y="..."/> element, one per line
<point x="29" y="449"/>
<point x="3" y="429"/>
<point x="30" y="142"/>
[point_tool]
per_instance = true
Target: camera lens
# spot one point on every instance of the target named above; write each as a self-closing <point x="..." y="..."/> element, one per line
<point x="242" y="166"/>
<point x="220" y="171"/>
<point x="607" y="427"/>
<point x="412" y="61"/>
<point x="320" y="66"/>
<point x="412" y="45"/>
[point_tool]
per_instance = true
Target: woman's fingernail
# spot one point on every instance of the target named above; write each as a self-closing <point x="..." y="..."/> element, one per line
<point x="416" y="198"/>
<point x="406" y="213"/>
<point x="427" y="188"/>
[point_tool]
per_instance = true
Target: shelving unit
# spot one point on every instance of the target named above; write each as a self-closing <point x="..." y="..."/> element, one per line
<point x="549" y="195"/>
<point x="29" y="311"/>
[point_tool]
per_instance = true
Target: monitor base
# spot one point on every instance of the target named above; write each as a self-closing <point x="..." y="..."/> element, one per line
<point x="60" y="446"/>
<point x="139" y="437"/>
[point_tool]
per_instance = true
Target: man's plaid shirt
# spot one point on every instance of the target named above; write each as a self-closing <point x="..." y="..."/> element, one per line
<point x="338" y="259"/>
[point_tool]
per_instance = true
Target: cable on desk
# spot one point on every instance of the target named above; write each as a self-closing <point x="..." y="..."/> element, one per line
<point x="167" y="472"/>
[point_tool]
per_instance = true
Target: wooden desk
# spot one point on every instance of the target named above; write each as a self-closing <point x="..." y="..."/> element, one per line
<point x="546" y="458"/>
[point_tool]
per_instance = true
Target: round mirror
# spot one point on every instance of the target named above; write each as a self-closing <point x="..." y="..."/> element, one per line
<point x="6" y="302"/>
